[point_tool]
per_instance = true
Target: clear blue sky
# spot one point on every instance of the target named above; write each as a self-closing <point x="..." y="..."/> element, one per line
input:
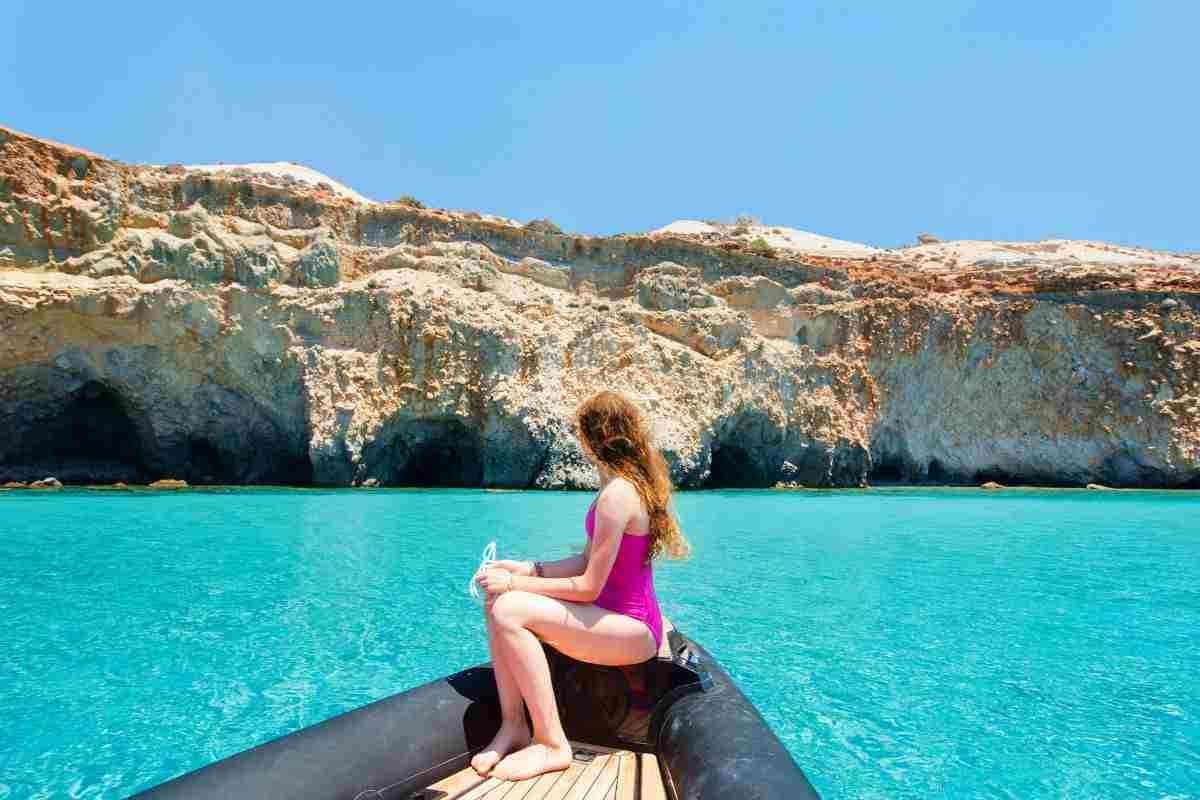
<point x="866" y="121"/>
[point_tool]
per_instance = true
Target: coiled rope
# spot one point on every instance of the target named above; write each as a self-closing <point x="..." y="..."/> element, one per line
<point x="489" y="558"/>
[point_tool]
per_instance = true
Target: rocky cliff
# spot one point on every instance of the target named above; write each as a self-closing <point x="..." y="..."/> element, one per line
<point x="263" y="324"/>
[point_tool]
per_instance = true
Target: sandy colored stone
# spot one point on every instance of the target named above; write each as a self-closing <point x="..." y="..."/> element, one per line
<point x="263" y="325"/>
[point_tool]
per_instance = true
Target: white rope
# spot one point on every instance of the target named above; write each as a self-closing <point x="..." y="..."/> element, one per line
<point x="489" y="558"/>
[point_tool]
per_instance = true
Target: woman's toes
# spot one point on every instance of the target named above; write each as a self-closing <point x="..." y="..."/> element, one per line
<point x="505" y="741"/>
<point x="484" y="761"/>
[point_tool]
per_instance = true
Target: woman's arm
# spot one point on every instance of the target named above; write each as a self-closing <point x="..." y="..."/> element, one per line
<point x="563" y="568"/>
<point x="614" y="509"/>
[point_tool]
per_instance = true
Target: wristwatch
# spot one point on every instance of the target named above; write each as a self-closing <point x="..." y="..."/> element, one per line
<point x="537" y="568"/>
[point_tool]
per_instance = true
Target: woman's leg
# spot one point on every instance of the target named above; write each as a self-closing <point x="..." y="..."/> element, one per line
<point x="513" y="733"/>
<point x="582" y="631"/>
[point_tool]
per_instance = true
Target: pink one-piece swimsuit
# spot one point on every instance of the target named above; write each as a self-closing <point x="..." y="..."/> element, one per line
<point x="629" y="589"/>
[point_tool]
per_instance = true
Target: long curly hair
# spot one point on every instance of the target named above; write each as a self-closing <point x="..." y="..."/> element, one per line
<point x="613" y="429"/>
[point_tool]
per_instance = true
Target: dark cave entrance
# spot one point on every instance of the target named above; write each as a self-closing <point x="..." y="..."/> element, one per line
<point x="426" y="452"/>
<point x="206" y="464"/>
<point x="743" y="446"/>
<point x="897" y="469"/>
<point x="890" y="471"/>
<point x="233" y="439"/>
<point x="90" y="438"/>
<point x="95" y="432"/>
<point x="245" y="450"/>
<point x="734" y="467"/>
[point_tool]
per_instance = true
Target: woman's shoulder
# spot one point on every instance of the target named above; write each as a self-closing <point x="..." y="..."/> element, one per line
<point x="619" y="484"/>
<point x="620" y="490"/>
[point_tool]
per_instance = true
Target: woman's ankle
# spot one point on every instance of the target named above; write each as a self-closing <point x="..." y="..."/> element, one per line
<point x="552" y="742"/>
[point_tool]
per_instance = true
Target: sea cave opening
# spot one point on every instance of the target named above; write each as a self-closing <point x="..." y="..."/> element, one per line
<point x="88" y="437"/>
<point x="889" y="471"/>
<point x="233" y="439"/>
<point x="426" y="452"/>
<point x="734" y="467"/>
<point x="206" y="464"/>
<point x="741" y="449"/>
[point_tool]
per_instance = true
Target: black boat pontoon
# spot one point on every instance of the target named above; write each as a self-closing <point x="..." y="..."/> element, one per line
<point x="701" y="739"/>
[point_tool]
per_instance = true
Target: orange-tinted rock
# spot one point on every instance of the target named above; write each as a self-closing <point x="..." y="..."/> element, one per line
<point x="251" y="325"/>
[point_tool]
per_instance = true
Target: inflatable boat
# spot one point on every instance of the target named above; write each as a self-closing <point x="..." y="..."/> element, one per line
<point x="692" y="736"/>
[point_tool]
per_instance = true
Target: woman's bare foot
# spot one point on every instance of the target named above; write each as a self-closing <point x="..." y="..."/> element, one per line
<point x="532" y="761"/>
<point x="510" y="737"/>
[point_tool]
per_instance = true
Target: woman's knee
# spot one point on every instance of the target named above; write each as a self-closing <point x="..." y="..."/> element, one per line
<point x="511" y="609"/>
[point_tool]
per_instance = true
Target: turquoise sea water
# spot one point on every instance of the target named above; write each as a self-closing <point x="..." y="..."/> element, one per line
<point x="903" y="643"/>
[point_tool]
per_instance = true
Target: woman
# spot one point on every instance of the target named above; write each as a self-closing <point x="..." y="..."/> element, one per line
<point x="598" y="607"/>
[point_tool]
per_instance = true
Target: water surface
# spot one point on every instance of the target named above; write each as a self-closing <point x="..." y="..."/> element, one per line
<point x="903" y="643"/>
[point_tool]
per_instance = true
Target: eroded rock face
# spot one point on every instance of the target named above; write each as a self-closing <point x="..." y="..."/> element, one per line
<point x="236" y="326"/>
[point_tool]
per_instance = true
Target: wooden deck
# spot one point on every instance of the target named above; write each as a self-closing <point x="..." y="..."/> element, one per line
<point x="597" y="773"/>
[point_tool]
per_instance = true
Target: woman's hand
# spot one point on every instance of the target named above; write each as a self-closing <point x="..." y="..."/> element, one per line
<point x="494" y="580"/>
<point x="515" y="567"/>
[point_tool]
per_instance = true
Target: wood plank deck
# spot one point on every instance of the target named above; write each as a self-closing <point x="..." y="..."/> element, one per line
<point x="597" y="773"/>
